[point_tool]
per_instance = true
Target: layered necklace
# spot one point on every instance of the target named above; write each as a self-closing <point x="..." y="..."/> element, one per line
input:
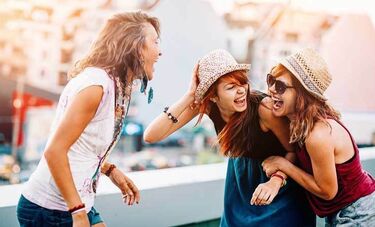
<point x="122" y="101"/>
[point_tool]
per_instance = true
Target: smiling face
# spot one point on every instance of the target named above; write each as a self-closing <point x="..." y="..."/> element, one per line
<point x="285" y="101"/>
<point x="150" y="50"/>
<point x="231" y="94"/>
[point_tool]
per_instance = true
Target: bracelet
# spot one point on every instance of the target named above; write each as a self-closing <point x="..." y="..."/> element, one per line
<point x="281" y="177"/>
<point x="109" y="170"/>
<point x="170" y="116"/>
<point x="79" y="210"/>
<point x="76" y="208"/>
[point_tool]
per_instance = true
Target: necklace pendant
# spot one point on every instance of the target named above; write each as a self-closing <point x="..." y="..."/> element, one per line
<point x="118" y="111"/>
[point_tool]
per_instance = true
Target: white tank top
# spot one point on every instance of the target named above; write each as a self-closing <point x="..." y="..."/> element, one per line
<point x="84" y="155"/>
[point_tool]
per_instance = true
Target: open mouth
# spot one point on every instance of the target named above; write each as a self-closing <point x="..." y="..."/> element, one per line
<point x="277" y="103"/>
<point x="240" y="101"/>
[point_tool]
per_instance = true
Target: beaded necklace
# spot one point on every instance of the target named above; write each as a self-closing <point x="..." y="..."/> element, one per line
<point x="122" y="101"/>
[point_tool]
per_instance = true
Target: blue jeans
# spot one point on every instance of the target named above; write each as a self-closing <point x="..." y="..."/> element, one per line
<point x="30" y="214"/>
<point x="359" y="213"/>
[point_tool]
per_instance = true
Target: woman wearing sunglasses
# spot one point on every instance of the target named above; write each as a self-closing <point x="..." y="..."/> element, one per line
<point x="248" y="133"/>
<point x="329" y="165"/>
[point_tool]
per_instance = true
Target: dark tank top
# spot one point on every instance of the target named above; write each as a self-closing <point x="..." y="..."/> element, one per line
<point x="289" y="208"/>
<point x="353" y="182"/>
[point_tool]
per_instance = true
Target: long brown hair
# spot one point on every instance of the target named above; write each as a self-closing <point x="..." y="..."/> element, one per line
<point x="235" y="139"/>
<point x="308" y="110"/>
<point x="118" y="46"/>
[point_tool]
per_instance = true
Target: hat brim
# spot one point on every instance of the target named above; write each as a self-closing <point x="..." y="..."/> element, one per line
<point x="204" y="86"/>
<point x="286" y="64"/>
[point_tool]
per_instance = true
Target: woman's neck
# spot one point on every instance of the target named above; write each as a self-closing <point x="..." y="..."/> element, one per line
<point x="226" y="115"/>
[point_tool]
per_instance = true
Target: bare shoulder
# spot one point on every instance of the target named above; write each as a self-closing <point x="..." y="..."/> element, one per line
<point x="278" y="125"/>
<point x="265" y="109"/>
<point x="320" y="138"/>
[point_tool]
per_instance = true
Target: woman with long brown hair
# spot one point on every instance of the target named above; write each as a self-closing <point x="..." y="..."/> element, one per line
<point x="329" y="167"/>
<point x="247" y="133"/>
<point x="89" y="119"/>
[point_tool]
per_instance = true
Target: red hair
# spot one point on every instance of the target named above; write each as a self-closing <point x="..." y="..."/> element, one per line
<point x="235" y="138"/>
<point x="308" y="110"/>
<point x="238" y="77"/>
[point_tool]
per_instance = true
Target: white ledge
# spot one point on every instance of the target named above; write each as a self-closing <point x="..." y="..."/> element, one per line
<point x="169" y="197"/>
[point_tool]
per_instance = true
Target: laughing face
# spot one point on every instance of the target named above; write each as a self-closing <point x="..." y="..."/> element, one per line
<point x="284" y="99"/>
<point x="151" y="50"/>
<point x="231" y="97"/>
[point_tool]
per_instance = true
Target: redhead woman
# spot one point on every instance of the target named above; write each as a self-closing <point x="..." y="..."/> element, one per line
<point x="328" y="167"/>
<point x="88" y="122"/>
<point x="247" y="133"/>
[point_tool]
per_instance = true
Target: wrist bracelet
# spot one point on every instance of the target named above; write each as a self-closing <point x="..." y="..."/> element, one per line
<point x="79" y="210"/>
<point x="170" y="116"/>
<point x="109" y="170"/>
<point x="281" y="177"/>
<point x="76" y="208"/>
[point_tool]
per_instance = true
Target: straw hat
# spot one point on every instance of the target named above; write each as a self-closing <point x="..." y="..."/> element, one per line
<point x="311" y="71"/>
<point x="214" y="65"/>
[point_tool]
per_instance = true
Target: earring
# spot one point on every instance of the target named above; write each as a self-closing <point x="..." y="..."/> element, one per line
<point x="150" y="95"/>
<point x="144" y="83"/>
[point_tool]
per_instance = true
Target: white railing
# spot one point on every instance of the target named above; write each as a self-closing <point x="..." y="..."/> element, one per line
<point x="169" y="196"/>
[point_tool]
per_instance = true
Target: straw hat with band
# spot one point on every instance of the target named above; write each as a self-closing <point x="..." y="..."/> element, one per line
<point x="214" y="65"/>
<point x="310" y="69"/>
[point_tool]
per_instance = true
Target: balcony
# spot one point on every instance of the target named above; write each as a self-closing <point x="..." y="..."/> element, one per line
<point x="190" y="196"/>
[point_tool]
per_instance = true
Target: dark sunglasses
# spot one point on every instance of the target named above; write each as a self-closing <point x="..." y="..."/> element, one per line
<point x="280" y="86"/>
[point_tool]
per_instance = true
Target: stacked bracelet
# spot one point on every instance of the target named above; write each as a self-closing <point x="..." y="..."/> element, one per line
<point x="281" y="177"/>
<point x="170" y="116"/>
<point x="108" y="172"/>
<point x="77" y="208"/>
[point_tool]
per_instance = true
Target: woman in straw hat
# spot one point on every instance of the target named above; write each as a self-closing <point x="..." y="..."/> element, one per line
<point x="248" y="133"/>
<point x="88" y="123"/>
<point x="329" y="165"/>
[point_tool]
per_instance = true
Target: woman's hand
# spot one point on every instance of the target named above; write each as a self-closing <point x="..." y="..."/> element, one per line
<point x="273" y="164"/>
<point x="266" y="192"/>
<point x="80" y="219"/>
<point x="193" y="86"/>
<point x="194" y="81"/>
<point x="130" y="192"/>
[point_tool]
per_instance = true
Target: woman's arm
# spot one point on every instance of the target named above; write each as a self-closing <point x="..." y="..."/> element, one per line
<point x="279" y="126"/>
<point x="161" y="127"/>
<point x="77" y="116"/>
<point x="320" y="147"/>
<point x="266" y="192"/>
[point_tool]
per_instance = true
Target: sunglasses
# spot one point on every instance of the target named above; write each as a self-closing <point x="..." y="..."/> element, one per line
<point x="280" y="86"/>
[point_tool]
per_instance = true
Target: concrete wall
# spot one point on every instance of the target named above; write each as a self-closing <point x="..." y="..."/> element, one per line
<point x="169" y="197"/>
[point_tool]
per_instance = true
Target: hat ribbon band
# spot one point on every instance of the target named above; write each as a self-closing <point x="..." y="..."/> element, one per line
<point x="305" y="78"/>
